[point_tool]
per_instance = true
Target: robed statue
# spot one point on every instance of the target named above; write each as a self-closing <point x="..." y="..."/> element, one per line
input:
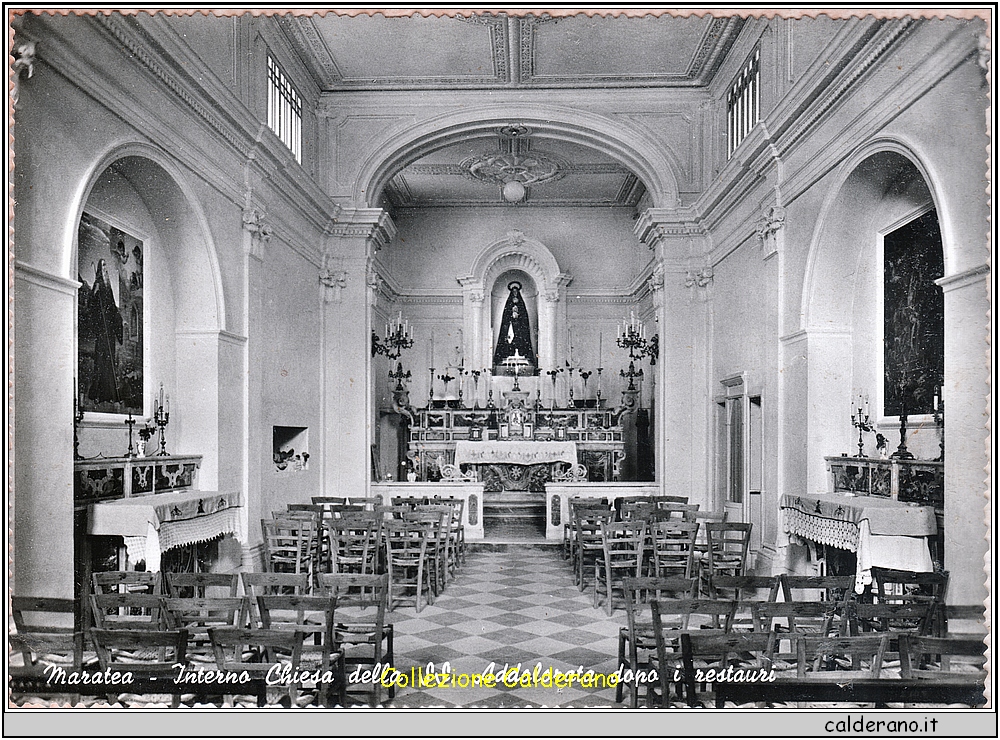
<point x="515" y="330"/>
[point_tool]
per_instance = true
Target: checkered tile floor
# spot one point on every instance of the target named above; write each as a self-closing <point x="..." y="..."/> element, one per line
<point x="507" y="608"/>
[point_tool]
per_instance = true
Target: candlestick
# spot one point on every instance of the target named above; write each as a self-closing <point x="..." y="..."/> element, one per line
<point x="130" y="423"/>
<point x="430" y="393"/>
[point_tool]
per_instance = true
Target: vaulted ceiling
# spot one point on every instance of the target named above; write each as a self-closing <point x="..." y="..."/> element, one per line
<point x="492" y="52"/>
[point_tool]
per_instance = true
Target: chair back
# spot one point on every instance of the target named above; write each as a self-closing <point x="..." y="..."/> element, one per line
<point x="813" y="588"/>
<point x="233" y="645"/>
<point x="815" y="651"/>
<point x="288" y="544"/>
<point x="126" y="581"/>
<point x="673" y="547"/>
<point x="313" y="615"/>
<point x="157" y="652"/>
<point x="909" y="587"/>
<point x="942" y="658"/>
<point x="747" y="651"/>
<point x="368" y="503"/>
<point x="329" y="500"/>
<point x="803" y="617"/>
<point x="624" y="546"/>
<point x="639" y="590"/>
<point x="268" y="584"/>
<point x="198" y="615"/>
<point x="46" y="626"/>
<point x="354" y="544"/>
<point x="711" y="609"/>
<point x="745" y="588"/>
<point x="914" y="617"/>
<point x="728" y="543"/>
<point x="127" y="611"/>
<point x="196" y="585"/>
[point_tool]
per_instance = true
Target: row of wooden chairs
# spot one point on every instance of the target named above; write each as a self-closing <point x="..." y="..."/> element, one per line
<point x="815" y="667"/>
<point x="420" y="544"/>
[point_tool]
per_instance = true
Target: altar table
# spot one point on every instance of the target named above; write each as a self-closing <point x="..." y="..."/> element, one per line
<point x="151" y="525"/>
<point x="883" y="532"/>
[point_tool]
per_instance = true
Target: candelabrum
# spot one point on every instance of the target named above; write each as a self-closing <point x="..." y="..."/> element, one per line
<point x="430" y="393"/>
<point x="901" y="452"/>
<point x="862" y="422"/>
<point x="632" y="374"/>
<point x="398" y="336"/>
<point x="399" y="376"/>
<point x="161" y="416"/>
<point x="571" y="370"/>
<point x="77" y="418"/>
<point x="939" y="423"/>
<point x="475" y="385"/>
<point x="130" y="423"/>
<point x="599" y="371"/>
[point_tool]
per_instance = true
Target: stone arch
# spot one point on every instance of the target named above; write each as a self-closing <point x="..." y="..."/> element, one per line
<point x="513" y="251"/>
<point x="649" y="160"/>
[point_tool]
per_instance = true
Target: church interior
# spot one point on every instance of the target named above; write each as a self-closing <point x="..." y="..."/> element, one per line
<point x="553" y="272"/>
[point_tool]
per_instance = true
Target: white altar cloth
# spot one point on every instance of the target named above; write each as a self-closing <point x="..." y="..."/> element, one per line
<point x="151" y="525"/>
<point x="515" y="453"/>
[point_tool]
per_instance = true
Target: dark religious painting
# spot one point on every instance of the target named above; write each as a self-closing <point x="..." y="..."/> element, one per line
<point x="514" y="339"/>
<point x="914" y="316"/>
<point x="109" y="319"/>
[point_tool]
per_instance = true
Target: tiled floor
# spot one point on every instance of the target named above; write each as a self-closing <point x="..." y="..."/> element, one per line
<point x="506" y="608"/>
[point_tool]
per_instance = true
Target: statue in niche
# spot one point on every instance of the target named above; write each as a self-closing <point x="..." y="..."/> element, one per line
<point x="515" y="330"/>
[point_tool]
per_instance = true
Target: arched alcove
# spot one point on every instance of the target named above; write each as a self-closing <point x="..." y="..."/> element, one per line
<point x="878" y="192"/>
<point x="137" y="191"/>
<point x="514" y="253"/>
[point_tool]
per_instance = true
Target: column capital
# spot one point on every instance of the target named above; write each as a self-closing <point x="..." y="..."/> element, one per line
<point x="771" y="221"/>
<point x="257" y="226"/>
<point x="374" y="225"/>
<point x="658" y="224"/>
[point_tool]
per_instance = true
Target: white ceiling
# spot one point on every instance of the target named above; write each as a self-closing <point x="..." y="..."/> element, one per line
<point x="496" y="51"/>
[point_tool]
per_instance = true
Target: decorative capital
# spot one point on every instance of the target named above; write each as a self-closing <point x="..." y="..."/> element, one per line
<point x="656" y="282"/>
<point x="374" y="281"/>
<point x="657" y="224"/>
<point x="256" y="225"/>
<point x="700" y="278"/>
<point x="24" y="61"/>
<point x="768" y="226"/>
<point x="332" y="283"/>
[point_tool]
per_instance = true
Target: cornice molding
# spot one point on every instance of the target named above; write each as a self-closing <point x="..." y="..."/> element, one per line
<point x="374" y="224"/>
<point x="964" y="279"/>
<point x="43" y="279"/>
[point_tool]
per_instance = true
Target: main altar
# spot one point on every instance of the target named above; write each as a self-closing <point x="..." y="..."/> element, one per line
<point x="563" y="444"/>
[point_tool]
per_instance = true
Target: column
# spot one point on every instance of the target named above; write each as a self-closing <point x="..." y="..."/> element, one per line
<point x="349" y="286"/>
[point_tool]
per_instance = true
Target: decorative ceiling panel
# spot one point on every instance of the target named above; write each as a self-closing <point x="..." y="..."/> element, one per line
<point x="372" y="52"/>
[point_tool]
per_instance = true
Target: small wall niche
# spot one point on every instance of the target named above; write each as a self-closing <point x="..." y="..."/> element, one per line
<point x="290" y="447"/>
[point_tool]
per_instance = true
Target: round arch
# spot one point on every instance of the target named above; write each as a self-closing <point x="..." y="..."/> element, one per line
<point x="202" y="289"/>
<point x="649" y="160"/>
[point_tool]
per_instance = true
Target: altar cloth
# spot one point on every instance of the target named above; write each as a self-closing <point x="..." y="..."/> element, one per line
<point x="515" y="453"/>
<point x="151" y="525"/>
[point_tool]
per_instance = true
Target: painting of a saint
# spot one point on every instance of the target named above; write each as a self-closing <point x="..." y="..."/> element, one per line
<point x="109" y="320"/>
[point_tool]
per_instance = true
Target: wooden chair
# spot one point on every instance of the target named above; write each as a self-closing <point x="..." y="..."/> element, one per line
<point x="368" y="503"/>
<point x="726" y="547"/>
<point x="636" y="640"/>
<point x="624" y="547"/>
<point x="271" y="584"/>
<point x="909" y="587"/>
<point x="914" y="617"/>
<point x="956" y="665"/>
<point x="138" y="611"/>
<point x="577" y="504"/>
<point x="329" y="500"/>
<point x="151" y="656"/>
<point x="672" y="545"/>
<point x="265" y="649"/>
<point x="706" y="651"/>
<point x="126" y="581"/>
<point x="588" y="543"/>
<point x="354" y="544"/>
<point x="196" y="585"/>
<point x="406" y="556"/>
<point x="439" y="520"/>
<point x="683" y="512"/>
<point x="49" y="643"/>
<point x="361" y="632"/>
<point x="802" y="617"/>
<point x="314" y="617"/>
<point x="288" y="544"/>
<point x="746" y="590"/>
<point x="199" y="615"/>
<point x="456" y="542"/>
<point x="672" y="499"/>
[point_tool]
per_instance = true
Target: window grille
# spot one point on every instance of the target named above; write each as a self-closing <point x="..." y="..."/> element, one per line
<point x="743" y="102"/>
<point x="284" y="109"/>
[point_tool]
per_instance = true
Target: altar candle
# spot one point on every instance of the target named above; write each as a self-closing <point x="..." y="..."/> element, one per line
<point x="430" y="357"/>
<point x="161" y="394"/>
<point x="935" y="401"/>
<point x="600" y="349"/>
<point x="167" y="407"/>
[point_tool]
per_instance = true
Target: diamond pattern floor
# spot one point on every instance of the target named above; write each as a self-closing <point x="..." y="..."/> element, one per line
<point x="508" y="608"/>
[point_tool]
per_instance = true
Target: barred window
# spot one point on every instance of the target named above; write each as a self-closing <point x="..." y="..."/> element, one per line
<point x="284" y="109"/>
<point x="743" y="102"/>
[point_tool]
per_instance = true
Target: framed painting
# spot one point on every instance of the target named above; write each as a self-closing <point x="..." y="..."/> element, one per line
<point x="112" y="335"/>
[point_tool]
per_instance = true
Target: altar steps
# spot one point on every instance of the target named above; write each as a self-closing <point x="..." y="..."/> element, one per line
<point x="514" y="515"/>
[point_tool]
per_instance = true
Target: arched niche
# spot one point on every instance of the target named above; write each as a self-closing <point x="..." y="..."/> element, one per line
<point x="498" y="300"/>
<point x="842" y="304"/>
<point x="513" y="254"/>
<point x="138" y="190"/>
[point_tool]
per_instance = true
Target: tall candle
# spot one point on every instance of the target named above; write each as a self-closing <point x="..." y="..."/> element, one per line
<point x="161" y="394"/>
<point x="431" y="357"/>
<point x="600" y="349"/>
